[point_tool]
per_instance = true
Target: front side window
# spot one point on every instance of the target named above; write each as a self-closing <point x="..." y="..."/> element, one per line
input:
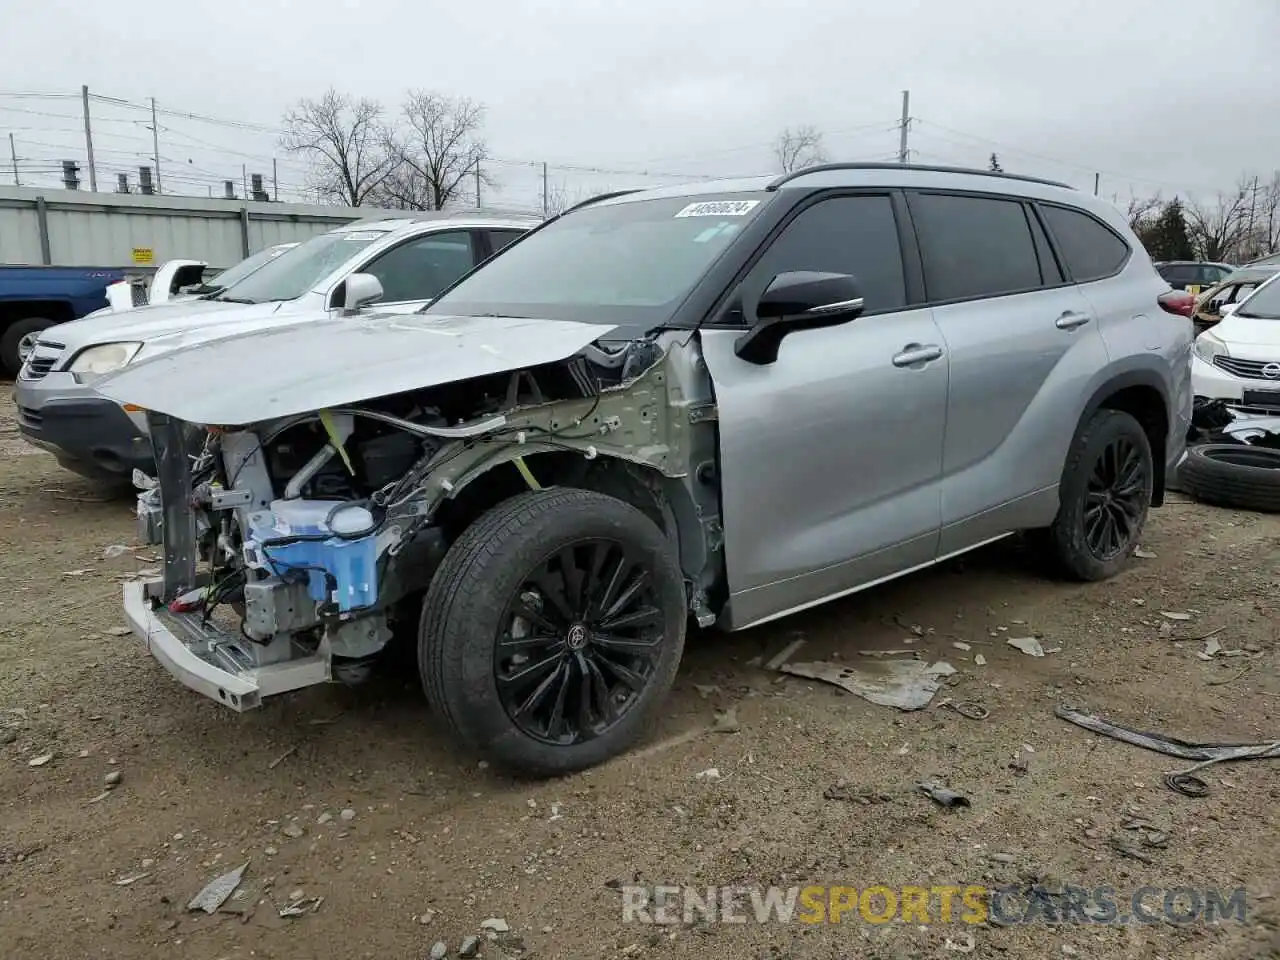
<point x="974" y="246"/>
<point x="296" y="271"/>
<point x="629" y="264"/>
<point x="420" y="268"/>
<point x="1091" y="251"/>
<point x="853" y="235"/>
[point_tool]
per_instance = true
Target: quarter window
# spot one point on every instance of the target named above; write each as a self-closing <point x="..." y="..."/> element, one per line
<point x="853" y="235"/>
<point x="1090" y="250"/>
<point x="974" y="246"/>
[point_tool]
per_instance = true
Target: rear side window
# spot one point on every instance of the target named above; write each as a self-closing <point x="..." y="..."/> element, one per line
<point x="974" y="246"/>
<point x="1090" y="250"/>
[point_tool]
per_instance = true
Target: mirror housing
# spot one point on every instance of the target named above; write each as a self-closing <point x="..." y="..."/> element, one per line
<point x="1227" y="309"/>
<point x="360" y="290"/>
<point x="798" y="300"/>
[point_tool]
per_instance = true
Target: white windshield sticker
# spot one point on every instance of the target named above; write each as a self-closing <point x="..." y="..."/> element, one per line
<point x="719" y="208"/>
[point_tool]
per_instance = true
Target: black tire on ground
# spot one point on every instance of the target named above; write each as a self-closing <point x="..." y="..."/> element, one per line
<point x="1233" y="475"/>
<point x="12" y="336"/>
<point x="490" y="570"/>
<point x="1082" y="506"/>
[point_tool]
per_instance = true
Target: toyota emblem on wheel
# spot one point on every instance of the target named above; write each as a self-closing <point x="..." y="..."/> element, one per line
<point x="1271" y="371"/>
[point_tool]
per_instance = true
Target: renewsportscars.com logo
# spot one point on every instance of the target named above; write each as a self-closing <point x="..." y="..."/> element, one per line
<point x="969" y="904"/>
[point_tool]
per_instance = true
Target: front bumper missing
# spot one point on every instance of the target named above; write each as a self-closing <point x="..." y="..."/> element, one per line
<point x="209" y="660"/>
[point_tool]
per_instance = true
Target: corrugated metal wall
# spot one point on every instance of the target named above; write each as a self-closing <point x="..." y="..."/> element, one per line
<point x="104" y="229"/>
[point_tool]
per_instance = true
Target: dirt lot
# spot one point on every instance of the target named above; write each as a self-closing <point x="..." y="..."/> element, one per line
<point x="435" y="843"/>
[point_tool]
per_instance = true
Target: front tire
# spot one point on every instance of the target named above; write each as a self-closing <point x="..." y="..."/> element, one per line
<point x="16" y="342"/>
<point x="1105" y="495"/>
<point x="552" y="630"/>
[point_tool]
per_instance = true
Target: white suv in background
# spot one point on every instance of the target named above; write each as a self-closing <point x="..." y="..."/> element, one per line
<point x="412" y="259"/>
<point x="1238" y="359"/>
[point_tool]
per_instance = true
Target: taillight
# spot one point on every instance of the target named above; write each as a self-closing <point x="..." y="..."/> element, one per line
<point x="1178" y="302"/>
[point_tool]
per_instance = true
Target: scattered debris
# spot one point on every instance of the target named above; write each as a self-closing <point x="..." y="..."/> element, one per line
<point x="961" y="645"/>
<point x="348" y="814"/>
<point x="904" y="684"/>
<point x="888" y="653"/>
<point x="711" y="773"/>
<point x="439" y="950"/>
<point x="470" y="947"/>
<point x="292" y="831"/>
<point x="284" y="756"/>
<point x="217" y="891"/>
<point x="1127" y="850"/>
<point x="301" y="906"/>
<point x="727" y="721"/>
<point x="963" y="944"/>
<point x="943" y="796"/>
<point x="40" y="761"/>
<point x="131" y="879"/>
<point x="979" y="660"/>
<point x="495" y="925"/>
<point x="843" y="790"/>
<point x="1211" y="649"/>
<point x="119" y="631"/>
<point x="1181" y="781"/>
<point x="967" y="708"/>
<point x="76" y="573"/>
<point x="100" y="797"/>
<point x="112" y="779"/>
<point x="1020" y="766"/>
<point x="1143" y="554"/>
<point x="784" y="655"/>
<point x="706" y="690"/>
<point x="1234" y="676"/>
<point x="1028" y="645"/>
<point x="115" y="550"/>
<point x="1174" y="615"/>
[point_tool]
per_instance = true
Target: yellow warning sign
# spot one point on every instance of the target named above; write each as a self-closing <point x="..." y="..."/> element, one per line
<point x="143" y="255"/>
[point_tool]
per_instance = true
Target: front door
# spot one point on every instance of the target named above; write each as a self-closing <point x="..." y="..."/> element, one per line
<point x="831" y="455"/>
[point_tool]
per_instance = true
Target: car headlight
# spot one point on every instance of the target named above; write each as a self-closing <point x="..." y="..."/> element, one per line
<point x="1207" y="346"/>
<point x="97" y="361"/>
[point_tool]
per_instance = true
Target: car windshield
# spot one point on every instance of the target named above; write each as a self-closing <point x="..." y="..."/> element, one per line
<point x="629" y="264"/>
<point x="1265" y="302"/>
<point x="296" y="271"/>
<point x="233" y="275"/>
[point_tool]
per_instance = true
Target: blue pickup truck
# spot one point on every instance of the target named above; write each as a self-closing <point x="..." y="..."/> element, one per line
<point x="32" y="298"/>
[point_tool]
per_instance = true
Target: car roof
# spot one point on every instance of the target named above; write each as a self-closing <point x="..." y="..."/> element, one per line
<point x="425" y="222"/>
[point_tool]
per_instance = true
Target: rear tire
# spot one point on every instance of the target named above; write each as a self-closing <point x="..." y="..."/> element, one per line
<point x="543" y="671"/>
<point x="1104" y="497"/>
<point x="1233" y="475"/>
<point x="13" y="349"/>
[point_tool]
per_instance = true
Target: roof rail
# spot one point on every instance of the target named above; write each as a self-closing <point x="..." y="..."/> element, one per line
<point x="600" y="198"/>
<point x="823" y="167"/>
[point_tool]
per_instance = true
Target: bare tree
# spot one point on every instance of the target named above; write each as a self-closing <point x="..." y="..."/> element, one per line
<point x="1142" y="212"/>
<point x="799" y="148"/>
<point x="1217" y="229"/>
<point x="343" y="139"/>
<point x="438" y="152"/>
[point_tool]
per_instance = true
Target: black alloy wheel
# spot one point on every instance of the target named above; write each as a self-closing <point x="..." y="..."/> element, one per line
<point x="1116" y="499"/>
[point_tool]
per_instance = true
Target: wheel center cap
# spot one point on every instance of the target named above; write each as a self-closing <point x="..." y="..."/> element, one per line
<point x="577" y="636"/>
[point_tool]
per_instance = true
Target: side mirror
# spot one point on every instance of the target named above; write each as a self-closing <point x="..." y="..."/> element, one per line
<point x="360" y="290"/>
<point x="798" y="300"/>
<point x="1227" y="309"/>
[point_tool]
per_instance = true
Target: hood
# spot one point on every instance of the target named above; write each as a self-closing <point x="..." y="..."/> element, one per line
<point x="1250" y="331"/>
<point x="142" y="323"/>
<point x="301" y="367"/>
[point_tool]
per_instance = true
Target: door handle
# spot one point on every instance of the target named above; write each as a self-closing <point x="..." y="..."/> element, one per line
<point x="914" y="354"/>
<point x="1070" y="320"/>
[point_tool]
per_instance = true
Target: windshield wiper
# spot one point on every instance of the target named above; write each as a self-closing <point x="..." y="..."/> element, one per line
<point x="235" y="300"/>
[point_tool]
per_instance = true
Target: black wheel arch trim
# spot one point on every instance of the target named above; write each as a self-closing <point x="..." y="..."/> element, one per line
<point x="1125" y="380"/>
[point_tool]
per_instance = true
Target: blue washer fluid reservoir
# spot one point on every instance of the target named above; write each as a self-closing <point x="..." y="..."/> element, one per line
<point x="350" y="559"/>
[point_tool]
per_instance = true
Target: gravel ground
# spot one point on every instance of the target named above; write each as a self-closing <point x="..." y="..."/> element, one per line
<point x="356" y="797"/>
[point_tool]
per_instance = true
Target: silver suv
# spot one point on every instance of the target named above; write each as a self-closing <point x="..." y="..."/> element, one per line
<point x="735" y="400"/>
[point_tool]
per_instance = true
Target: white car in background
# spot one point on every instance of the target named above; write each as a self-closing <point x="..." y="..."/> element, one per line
<point x="180" y="280"/>
<point x="1238" y="359"/>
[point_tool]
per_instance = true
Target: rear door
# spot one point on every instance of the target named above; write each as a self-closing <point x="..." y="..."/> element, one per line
<point x="1020" y="337"/>
<point x="830" y="456"/>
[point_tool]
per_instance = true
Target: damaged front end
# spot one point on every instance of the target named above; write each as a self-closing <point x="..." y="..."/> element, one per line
<point x="295" y="547"/>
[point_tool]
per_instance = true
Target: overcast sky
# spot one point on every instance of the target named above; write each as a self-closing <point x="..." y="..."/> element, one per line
<point x="1157" y="95"/>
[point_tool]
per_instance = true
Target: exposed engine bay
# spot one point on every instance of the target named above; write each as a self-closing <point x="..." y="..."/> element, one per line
<point x="294" y="547"/>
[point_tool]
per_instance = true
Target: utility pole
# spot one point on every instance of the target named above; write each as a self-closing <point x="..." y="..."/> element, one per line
<point x="478" y="183"/>
<point x="244" y="179"/>
<point x="275" y="181"/>
<point x="155" y="143"/>
<point x="88" y="138"/>
<point x="13" y="154"/>
<point x="1097" y="182"/>
<point x="545" y="199"/>
<point x="903" y="152"/>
